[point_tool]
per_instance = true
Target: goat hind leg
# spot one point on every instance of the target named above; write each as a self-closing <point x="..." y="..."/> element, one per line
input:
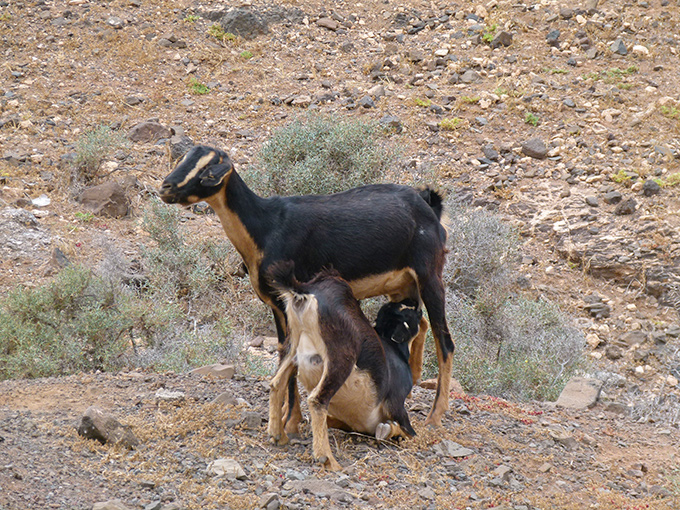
<point x="433" y="295"/>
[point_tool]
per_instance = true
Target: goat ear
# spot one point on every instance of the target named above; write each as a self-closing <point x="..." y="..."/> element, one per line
<point x="213" y="175"/>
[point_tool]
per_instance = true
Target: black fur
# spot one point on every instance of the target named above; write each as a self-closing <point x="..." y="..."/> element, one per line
<point x="362" y="232"/>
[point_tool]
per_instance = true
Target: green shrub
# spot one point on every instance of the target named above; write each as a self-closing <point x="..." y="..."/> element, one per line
<point x="506" y="345"/>
<point x="322" y="154"/>
<point x="525" y="350"/>
<point x="196" y="87"/>
<point x="78" y="322"/>
<point x="92" y="147"/>
<point x="531" y="118"/>
<point x="176" y="268"/>
<point x="176" y="308"/>
<point x="482" y="251"/>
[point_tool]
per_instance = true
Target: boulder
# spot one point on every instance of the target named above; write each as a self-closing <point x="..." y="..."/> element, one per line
<point x="106" y="199"/>
<point x="105" y="428"/>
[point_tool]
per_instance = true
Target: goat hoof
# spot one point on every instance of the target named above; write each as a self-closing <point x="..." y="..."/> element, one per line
<point x="382" y="431"/>
<point x="329" y="463"/>
<point x="279" y="440"/>
<point x="433" y="423"/>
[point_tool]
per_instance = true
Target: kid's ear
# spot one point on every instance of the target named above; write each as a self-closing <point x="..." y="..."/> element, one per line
<point x="212" y="175"/>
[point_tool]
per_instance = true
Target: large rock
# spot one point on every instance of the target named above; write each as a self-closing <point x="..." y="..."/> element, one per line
<point x="148" y="132"/>
<point x="215" y="370"/>
<point x="114" y="504"/>
<point x="106" y="199"/>
<point x="21" y="236"/>
<point x="580" y="393"/>
<point x="245" y="23"/>
<point x="228" y="468"/>
<point x="447" y="448"/>
<point x="535" y="148"/>
<point x="103" y="427"/>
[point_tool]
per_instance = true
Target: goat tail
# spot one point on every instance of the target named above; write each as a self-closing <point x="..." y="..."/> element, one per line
<point x="433" y="199"/>
<point x="281" y="276"/>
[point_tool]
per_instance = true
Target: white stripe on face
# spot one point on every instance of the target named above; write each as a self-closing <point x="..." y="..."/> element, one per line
<point x="200" y="164"/>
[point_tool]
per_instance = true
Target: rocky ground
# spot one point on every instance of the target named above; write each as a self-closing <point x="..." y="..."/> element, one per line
<point x="202" y="444"/>
<point x="562" y="118"/>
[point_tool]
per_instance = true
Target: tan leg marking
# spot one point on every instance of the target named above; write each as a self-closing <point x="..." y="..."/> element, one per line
<point x="441" y="403"/>
<point x="415" y="359"/>
<point x="277" y="393"/>
<point x="292" y="421"/>
<point x="321" y="447"/>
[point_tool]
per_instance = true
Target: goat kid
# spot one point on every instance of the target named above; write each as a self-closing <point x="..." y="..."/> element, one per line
<point x="384" y="239"/>
<point x="357" y="377"/>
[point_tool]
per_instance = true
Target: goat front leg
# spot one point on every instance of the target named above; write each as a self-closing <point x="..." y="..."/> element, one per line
<point x="277" y="391"/>
<point x="417" y="347"/>
<point x="291" y="412"/>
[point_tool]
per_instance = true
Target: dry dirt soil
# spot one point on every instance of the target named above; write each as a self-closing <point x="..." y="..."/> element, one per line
<point x="596" y="83"/>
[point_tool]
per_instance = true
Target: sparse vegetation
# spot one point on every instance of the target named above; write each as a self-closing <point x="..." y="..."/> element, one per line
<point x="451" y="124"/>
<point x="489" y="33"/>
<point x="165" y="315"/>
<point x="84" y="217"/>
<point x="669" y="181"/>
<point x="322" y="154"/>
<point x="218" y="33"/>
<point x="506" y="344"/>
<point x="79" y="322"/>
<point x="555" y="70"/>
<point x="92" y="148"/>
<point x="192" y="18"/>
<point x="246" y="55"/>
<point x="622" y="177"/>
<point x="423" y="103"/>
<point x="196" y="87"/>
<point x="531" y="118"/>
<point x="613" y="75"/>
<point x="672" y="112"/>
<point x="470" y="99"/>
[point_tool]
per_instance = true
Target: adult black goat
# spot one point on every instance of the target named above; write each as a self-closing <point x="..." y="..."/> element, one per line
<point x="384" y="239"/>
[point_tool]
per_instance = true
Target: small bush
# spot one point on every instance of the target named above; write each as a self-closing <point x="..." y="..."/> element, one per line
<point x="246" y="55"/>
<point x="451" y="124"/>
<point x="470" y="99"/>
<point x="175" y="268"/>
<point x="506" y="345"/>
<point x="79" y="322"/>
<point x="531" y="118"/>
<point x="483" y="251"/>
<point x="322" y="154"/>
<point x="92" y="148"/>
<point x="196" y="87"/>
<point x="489" y="33"/>
<point x="525" y="350"/>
